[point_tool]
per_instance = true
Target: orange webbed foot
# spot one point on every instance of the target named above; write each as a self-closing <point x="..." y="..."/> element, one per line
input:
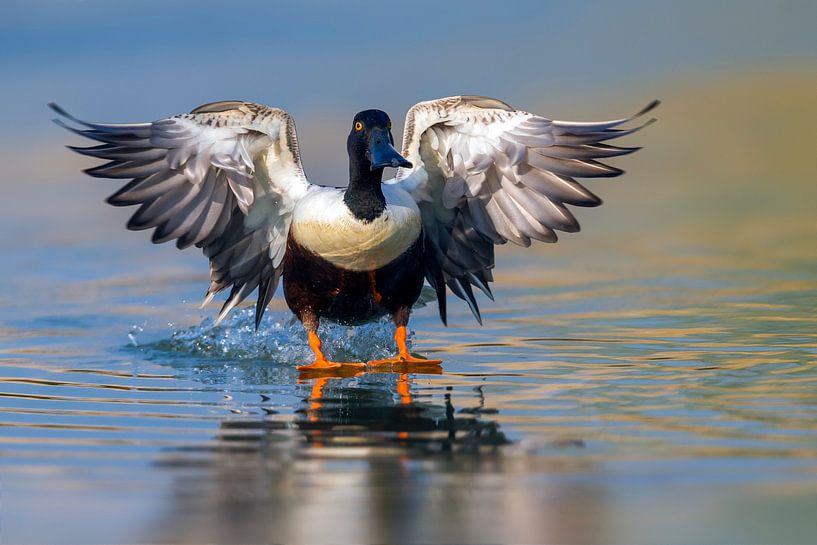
<point x="322" y="366"/>
<point x="402" y="365"/>
<point x="319" y="365"/>
<point x="405" y="359"/>
<point x="326" y="365"/>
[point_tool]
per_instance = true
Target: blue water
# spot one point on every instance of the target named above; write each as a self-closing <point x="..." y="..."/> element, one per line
<point x="677" y="405"/>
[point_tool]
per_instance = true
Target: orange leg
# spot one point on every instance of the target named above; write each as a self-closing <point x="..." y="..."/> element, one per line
<point x="321" y="363"/>
<point x="403" y="355"/>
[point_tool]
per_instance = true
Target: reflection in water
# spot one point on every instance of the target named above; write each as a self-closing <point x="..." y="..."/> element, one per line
<point x="370" y="416"/>
<point x="366" y="459"/>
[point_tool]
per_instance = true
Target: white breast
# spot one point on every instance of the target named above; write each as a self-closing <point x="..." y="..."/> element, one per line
<point x="324" y="224"/>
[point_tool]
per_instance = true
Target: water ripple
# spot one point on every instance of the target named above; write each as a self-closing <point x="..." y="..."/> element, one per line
<point x="552" y="389"/>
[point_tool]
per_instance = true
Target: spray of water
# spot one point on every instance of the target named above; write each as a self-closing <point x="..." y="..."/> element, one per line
<point x="280" y="338"/>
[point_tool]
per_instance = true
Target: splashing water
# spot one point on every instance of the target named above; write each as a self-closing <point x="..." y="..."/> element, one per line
<point x="280" y="339"/>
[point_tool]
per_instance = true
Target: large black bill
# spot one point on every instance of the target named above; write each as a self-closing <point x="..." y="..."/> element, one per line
<point x="382" y="153"/>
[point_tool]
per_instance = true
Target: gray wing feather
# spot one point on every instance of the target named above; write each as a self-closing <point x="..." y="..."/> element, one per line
<point x="204" y="179"/>
<point x="484" y="173"/>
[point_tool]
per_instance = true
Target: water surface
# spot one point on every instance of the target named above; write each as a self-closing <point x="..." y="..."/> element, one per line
<point x="591" y="407"/>
<point x="652" y="379"/>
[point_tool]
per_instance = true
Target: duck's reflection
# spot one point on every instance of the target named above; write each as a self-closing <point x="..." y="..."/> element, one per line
<point x="371" y="458"/>
<point x="387" y="413"/>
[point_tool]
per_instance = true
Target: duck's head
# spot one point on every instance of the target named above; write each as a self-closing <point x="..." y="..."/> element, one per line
<point x="370" y="143"/>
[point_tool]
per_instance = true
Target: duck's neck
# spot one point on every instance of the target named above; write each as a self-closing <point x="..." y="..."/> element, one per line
<point x="364" y="196"/>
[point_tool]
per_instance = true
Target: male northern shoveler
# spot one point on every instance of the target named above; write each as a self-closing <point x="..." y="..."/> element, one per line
<point x="474" y="172"/>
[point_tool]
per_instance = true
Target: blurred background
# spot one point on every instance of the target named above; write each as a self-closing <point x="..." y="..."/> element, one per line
<point x="698" y="273"/>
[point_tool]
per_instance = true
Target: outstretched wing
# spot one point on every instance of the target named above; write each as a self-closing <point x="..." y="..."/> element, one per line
<point x="224" y="177"/>
<point x="484" y="173"/>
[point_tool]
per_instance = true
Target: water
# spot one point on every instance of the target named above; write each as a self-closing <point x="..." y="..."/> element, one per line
<point x="652" y="379"/>
<point x="593" y="406"/>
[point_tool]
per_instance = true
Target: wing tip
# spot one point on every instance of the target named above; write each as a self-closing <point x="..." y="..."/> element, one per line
<point x="225" y="310"/>
<point x="265" y="293"/>
<point x="115" y="200"/>
<point x="589" y="203"/>
<point x="64" y="113"/>
<point x="207" y="298"/>
<point x="478" y="317"/>
<point x="612" y="172"/>
<point x="59" y="122"/>
<point x="59" y="109"/>
<point x="97" y="171"/>
<point x="137" y="223"/>
<point x="618" y="151"/>
<point x="648" y="108"/>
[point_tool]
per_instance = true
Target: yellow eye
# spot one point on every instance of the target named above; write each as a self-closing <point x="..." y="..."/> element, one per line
<point x="358" y="126"/>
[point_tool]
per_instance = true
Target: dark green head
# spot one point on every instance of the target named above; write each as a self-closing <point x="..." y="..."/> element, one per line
<point x="370" y="143"/>
<point x="371" y="149"/>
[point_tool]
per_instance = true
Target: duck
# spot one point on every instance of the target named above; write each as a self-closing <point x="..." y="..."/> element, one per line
<point x="473" y="173"/>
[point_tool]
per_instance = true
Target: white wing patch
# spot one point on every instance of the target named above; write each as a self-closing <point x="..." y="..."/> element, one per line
<point x="323" y="224"/>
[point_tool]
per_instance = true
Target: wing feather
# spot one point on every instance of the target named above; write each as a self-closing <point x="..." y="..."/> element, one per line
<point x="197" y="178"/>
<point x="485" y="173"/>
